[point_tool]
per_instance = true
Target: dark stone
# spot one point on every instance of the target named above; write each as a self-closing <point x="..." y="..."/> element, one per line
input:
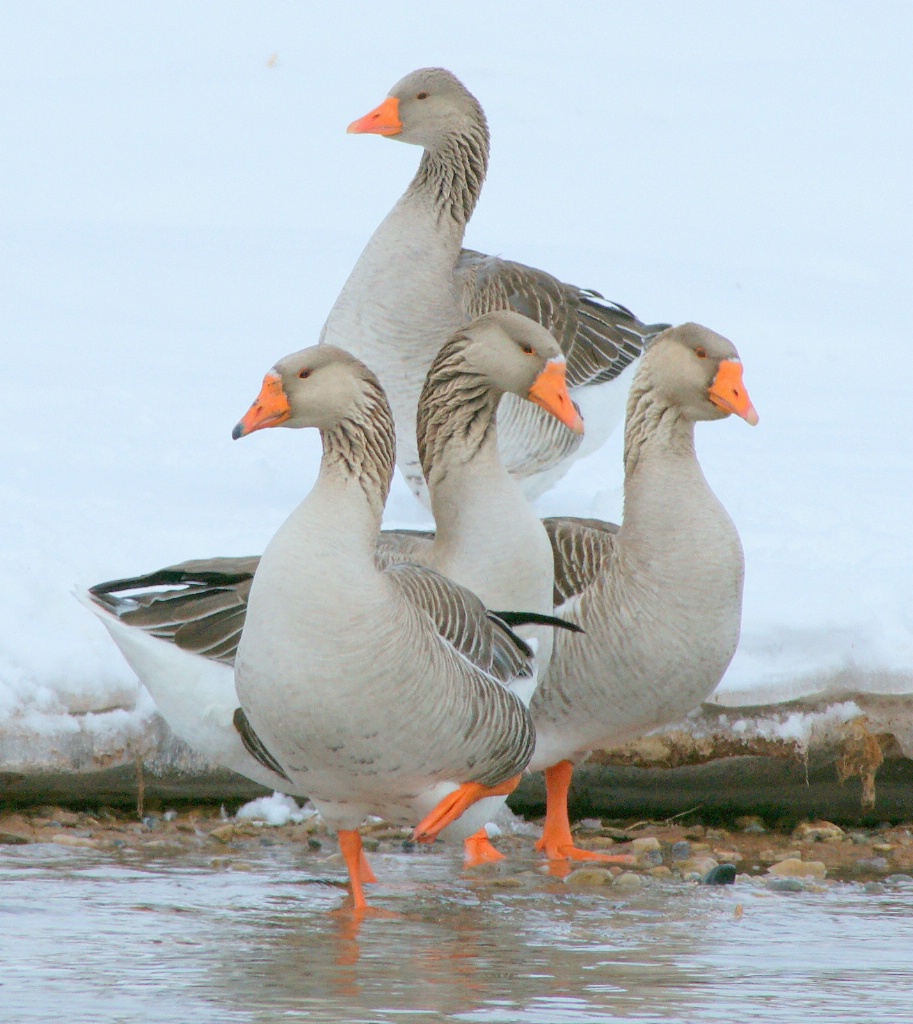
<point x="11" y="839"/>
<point x="314" y="844"/>
<point x="722" y="874"/>
<point x="681" y="850"/>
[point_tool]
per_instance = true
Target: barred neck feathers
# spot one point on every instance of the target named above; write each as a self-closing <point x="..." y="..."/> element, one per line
<point x="452" y="173"/>
<point x="362" y="446"/>
<point x="653" y="423"/>
<point x="456" y="411"/>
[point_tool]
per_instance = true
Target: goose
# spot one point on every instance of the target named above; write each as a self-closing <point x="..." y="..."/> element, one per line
<point x="389" y="690"/>
<point x="414" y="285"/>
<point x="182" y="642"/>
<point x="659" y="598"/>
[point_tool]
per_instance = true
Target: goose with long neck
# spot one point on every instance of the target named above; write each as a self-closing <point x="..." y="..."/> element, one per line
<point x="660" y="597"/>
<point x="384" y="691"/>
<point x="414" y="285"/>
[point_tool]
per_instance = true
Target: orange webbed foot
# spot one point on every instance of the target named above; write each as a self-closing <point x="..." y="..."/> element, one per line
<point x="455" y="803"/>
<point x="478" y="850"/>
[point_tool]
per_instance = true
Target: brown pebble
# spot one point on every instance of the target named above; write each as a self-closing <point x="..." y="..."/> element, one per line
<point x="793" y="868"/>
<point x="224" y="833"/>
<point x="61" y="839"/>
<point x="586" y="878"/>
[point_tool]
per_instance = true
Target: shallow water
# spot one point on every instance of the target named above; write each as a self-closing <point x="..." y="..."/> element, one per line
<point x="95" y="938"/>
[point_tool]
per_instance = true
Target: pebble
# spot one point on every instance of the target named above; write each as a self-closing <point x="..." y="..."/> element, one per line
<point x="700" y="866"/>
<point x="794" y="868"/>
<point x="62" y="839"/>
<point x="681" y="850"/>
<point x="785" y="885"/>
<point x="661" y="872"/>
<point x="877" y="865"/>
<point x="315" y="844"/>
<point x="722" y="874"/>
<point x="370" y="844"/>
<point x="618" y="834"/>
<point x="600" y="843"/>
<point x="773" y="856"/>
<point x="859" y="838"/>
<point x="822" y="831"/>
<point x="506" y="882"/>
<point x="873" y="887"/>
<point x="882" y="847"/>
<point x="900" y="879"/>
<point x="651" y="858"/>
<point x="391" y="833"/>
<point x="586" y="878"/>
<point x="590" y="824"/>
<point x="728" y="856"/>
<point x="224" y="833"/>
<point x="645" y="845"/>
<point x="627" y="880"/>
<point x="12" y="839"/>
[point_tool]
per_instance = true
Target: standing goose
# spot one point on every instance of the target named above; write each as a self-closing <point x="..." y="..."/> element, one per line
<point x="660" y="597"/>
<point x="182" y="642"/>
<point x="414" y="285"/>
<point x="385" y="691"/>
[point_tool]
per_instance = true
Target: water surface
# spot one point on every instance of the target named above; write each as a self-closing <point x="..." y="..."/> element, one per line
<point x="94" y="938"/>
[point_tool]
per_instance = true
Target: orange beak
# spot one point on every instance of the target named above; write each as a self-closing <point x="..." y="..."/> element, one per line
<point x="383" y="120"/>
<point x="550" y="391"/>
<point x="727" y="392"/>
<point x="269" y="410"/>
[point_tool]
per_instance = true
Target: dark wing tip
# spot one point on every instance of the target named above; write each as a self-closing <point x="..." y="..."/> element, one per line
<point x="254" y="745"/>
<point x="538" y="619"/>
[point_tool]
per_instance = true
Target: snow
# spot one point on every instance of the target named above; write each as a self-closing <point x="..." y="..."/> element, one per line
<point x="277" y="809"/>
<point x="183" y="205"/>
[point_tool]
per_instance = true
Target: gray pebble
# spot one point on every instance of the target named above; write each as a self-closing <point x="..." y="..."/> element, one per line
<point x="408" y="846"/>
<point x="900" y="879"/>
<point x="785" y="885"/>
<point x="314" y="844"/>
<point x="873" y="887"/>
<point x="150" y="822"/>
<point x="877" y="865"/>
<point x="681" y="850"/>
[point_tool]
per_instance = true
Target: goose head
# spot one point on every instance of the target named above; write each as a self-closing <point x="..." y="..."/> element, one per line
<point x="424" y="108"/>
<point x="516" y="355"/>
<point x="320" y="386"/>
<point x="699" y="372"/>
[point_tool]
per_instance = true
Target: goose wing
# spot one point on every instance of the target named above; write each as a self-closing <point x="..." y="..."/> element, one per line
<point x="198" y="605"/>
<point x="599" y="338"/>
<point x="583" y="550"/>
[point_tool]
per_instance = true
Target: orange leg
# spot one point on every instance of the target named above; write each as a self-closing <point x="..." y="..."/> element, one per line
<point x="556" y="838"/>
<point x="453" y="805"/>
<point x="477" y="849"/>
<point x="359" y="869"/>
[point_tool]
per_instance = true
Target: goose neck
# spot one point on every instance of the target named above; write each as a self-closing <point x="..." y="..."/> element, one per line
<point x="451" y="174"/>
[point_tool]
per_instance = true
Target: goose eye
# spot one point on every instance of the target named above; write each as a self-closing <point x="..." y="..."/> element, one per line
<point x="528" y="349"/>
<point x="304" y="374"/>
<point x="700" y="352"/>
<point x="422" y="96"/>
